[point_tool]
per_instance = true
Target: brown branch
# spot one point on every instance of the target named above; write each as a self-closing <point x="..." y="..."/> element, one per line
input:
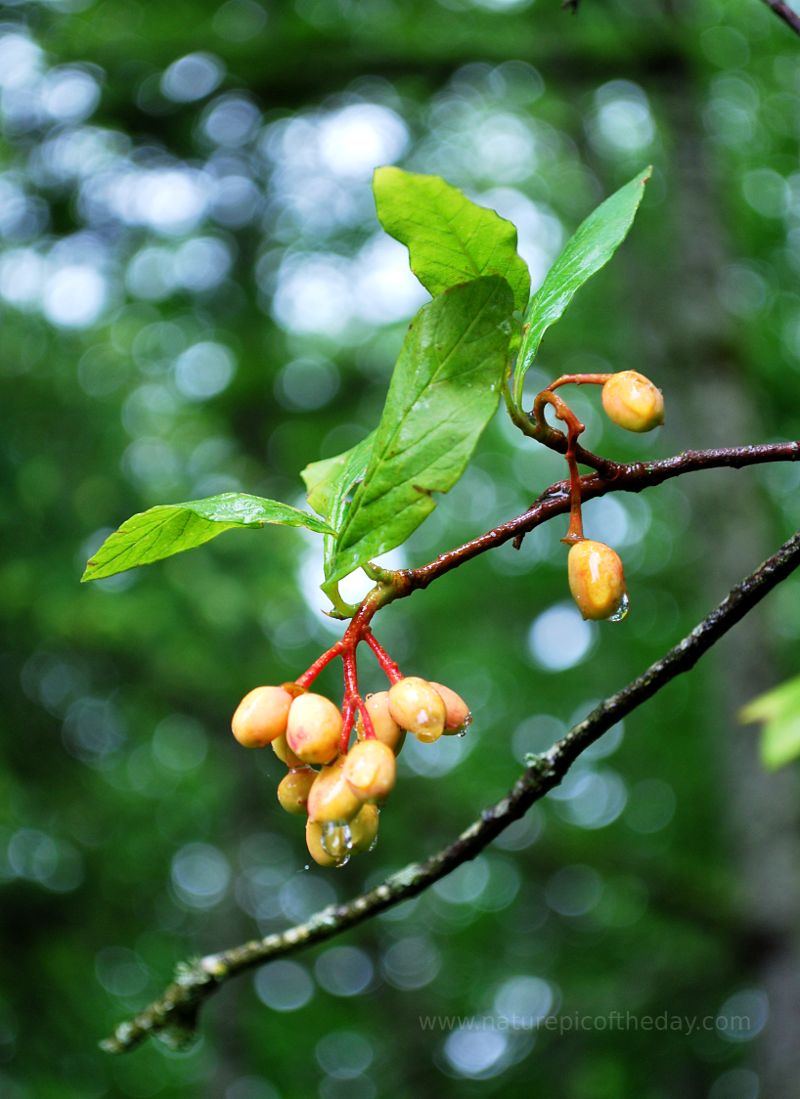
<point x="784" y="12"/>
<point x="174" y="1014"/>
<point x="622" y="478"/>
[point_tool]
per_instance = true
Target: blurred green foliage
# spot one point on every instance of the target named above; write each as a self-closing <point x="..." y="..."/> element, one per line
<point x="197" y="299"/>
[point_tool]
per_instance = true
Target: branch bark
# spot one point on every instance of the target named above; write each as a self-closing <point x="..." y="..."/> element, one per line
<point x="174" y="1014"/>
<point x="620" y="478"/>
<point x="784" y="12"/>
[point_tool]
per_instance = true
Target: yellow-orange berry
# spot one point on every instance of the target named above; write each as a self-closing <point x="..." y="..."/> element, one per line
<point x="293" y="790"/>
<point x="457" y="715"/>
<point x="364" y="828"/>
<point x="596" y="579"/>
<point x="331" y="799"/>
<point x="285" y="753"/>
<point x="261" y="716"/>
<point x="386" y="728"/>
<point x="370" y="769"/>
<point x="329" y="847"/>
<point x="314" y="728"/>
<point x="632" y="401"/>
<point x="415" y="705"/>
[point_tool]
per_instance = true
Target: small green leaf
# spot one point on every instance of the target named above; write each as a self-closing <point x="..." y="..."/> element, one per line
<point x="779" y="712"/>
<point x="330" y="480"/>
<point x="331" y="483"/>
<point x="444" y="391"/>
<point x="592" y="246"/>
<point x="319" y="479"/>
<point x="450" y="239"/>
<point x="172" y="528"/>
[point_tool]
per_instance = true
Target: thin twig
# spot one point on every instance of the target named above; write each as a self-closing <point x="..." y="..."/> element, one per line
<point x="784" y="12"/>
<point x="174" y="1014"/>
<point x="555" y="500"/>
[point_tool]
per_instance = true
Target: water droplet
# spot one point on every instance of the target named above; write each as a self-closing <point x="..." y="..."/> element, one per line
<point x="374" y="843"/>
<point x="622" y="610"/>
<point x="330" y="839"/>
<point x="337" y="840"/>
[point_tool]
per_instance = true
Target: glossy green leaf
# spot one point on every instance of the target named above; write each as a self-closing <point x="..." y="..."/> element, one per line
<point x="172" y="528"/>
<point x="450" y="239"/>
<point x="779" y="713"/>
<point x="592" y="246"/>
<point x="444" y="390"/>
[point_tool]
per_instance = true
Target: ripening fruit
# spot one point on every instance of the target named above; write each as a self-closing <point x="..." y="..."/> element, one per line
<point x="331" y="800"/>
<point x="293" y="790"/>
<point x="334" y="850"/>
<point x="314" y="728"/>
<point x="632" y="401"/>
<point x="386" y="728"/>
<point x="596" y="579"/>
<point x="415" y="705"/>
<point x="457" y="715"/>
<point x="261" y="716"/>
<point x="370" y="769"/>
<point x="285" y="753"/>
<point x="364" y="828"/>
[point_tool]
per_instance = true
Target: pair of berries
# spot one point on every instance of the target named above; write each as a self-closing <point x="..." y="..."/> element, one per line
<point x="596" y="576"/>
<point x="341" y="799"/>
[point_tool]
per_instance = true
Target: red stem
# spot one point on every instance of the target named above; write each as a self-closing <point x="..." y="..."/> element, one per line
<point x="393" y="673"/>
<point x="352" y="698"/>
<point x="369" y="728"/>
<point x="575" y="530"/>
<point x="574" y="430"/>
<point x="579" y="379"/>
<point x="347" y="723"/>
<point x="310" y="674"/>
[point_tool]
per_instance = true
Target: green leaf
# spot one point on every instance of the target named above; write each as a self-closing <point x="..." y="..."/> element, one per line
<point x="444" y="391"/>
<point x="450" y="239"/>
<point x="330" y="484"/>
<point x="172" y="528"/>
<point x="331" y="479"/>
<point x="592" y="246"/>
<point x="779" y="712"/>
<point x="320" y="478"/>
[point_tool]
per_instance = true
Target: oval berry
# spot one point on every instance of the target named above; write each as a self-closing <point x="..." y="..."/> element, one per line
<point x="364" y="828"/>
<point x="321" y="852"/>
<point x="370" y="770"/>
<point x="285" y="753"/>
<point x="261" y="716"/>
<point x="596" y="579"/>
<point x="632" y="401"/>
<point x="415" y="705"/>
<point x="294" y="788"/>
<point x="331" y="799"/>
<point x="314" y="728"/>
<point x="457" y="715"/>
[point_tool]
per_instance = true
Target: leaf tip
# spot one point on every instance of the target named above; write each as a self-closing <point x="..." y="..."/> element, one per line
<point x="383" y="173"/>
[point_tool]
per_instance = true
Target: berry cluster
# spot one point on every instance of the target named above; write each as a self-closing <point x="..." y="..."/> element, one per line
<point x="596" y="577"/>
<point x="337" y="786"/>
